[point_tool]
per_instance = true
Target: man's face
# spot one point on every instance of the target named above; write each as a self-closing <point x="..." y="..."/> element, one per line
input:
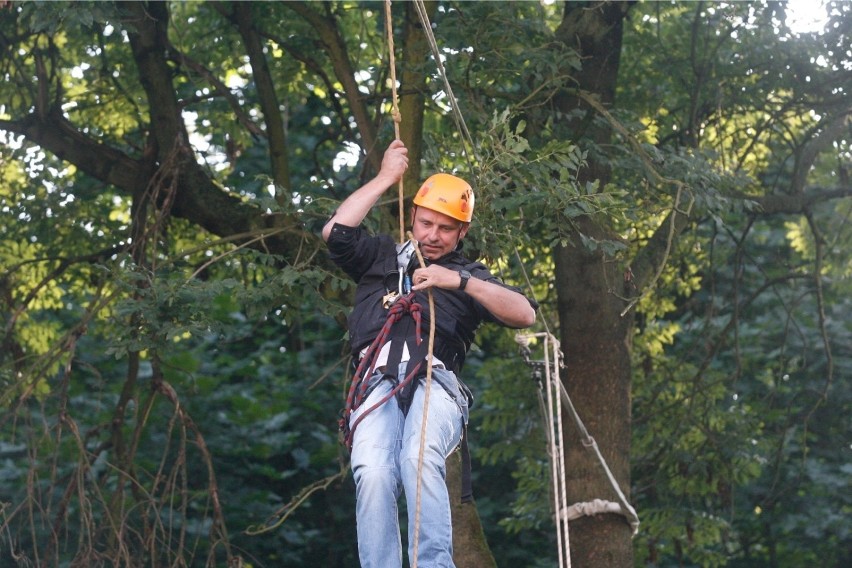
<point x="436" y="232"/>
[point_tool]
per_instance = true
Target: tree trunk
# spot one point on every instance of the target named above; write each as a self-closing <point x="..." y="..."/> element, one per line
<point x="595" y="343"/>
<point x="595" y="337"/>
<point x="470" y="549"/>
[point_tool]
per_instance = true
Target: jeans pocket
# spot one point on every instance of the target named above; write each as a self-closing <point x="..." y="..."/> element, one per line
<point x="455" y="389"/>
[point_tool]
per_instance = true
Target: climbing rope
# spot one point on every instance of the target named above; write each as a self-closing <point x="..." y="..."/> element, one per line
<point x="397" y="118"/>
<point x="564" y="514"/>
<point x="428" y="387"/>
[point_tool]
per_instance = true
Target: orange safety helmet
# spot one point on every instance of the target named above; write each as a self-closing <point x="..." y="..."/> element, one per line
<point x="447" y="194"/>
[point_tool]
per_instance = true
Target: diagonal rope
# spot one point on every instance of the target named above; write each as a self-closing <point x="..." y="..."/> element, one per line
<point x="461" y="126"/>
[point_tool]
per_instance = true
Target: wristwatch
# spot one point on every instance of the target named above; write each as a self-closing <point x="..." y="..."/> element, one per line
<point x="465" y="276"/>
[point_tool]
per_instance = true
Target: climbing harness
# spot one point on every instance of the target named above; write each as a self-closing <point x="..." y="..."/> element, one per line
<point x="358" y="390"/>
<point x="546" y="373"/>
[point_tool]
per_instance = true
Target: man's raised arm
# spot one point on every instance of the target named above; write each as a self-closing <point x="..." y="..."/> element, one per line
<point x="355" y="207"/>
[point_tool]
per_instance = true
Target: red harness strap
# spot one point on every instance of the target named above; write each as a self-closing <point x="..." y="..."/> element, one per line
<point x="358" y="389"/>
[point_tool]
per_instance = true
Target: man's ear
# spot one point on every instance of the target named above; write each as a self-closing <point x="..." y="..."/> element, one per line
<point x="411" y="215"/>
<point x="463" y="231"/>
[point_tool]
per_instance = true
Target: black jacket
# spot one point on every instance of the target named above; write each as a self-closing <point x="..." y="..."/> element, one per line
<point x="369" y="259"/>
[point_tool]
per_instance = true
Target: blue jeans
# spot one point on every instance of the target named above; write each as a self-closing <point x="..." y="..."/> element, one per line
<point x="385" y="456"/>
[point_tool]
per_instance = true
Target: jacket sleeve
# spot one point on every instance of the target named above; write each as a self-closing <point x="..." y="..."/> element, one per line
<point x="479" y="270"/>
<point x="352" y="249"/>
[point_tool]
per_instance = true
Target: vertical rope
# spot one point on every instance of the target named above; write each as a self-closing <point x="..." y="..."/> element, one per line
<point x="553" y="451"/>
<point x="428" y="387"/>
<point x="396" y="120"/>
<point x="556" y="382"/>
<point x="394" y="106"/>
<point x="557" y="447"/>
<point x="558" y="402"/>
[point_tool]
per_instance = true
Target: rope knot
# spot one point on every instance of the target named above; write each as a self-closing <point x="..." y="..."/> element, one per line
<point x="407" y="305"/>
<point x="401" y="305"/>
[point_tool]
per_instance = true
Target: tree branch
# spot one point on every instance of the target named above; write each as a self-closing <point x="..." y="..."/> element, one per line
<point x="219" y="87"/>
<point x="198" y="198"/>
<point x="335" y="46"/>
<point x="795" y="204"/>
<point x="55" y="134"/>
<point x="830" y="130"/>
<point x="269" y="105"/>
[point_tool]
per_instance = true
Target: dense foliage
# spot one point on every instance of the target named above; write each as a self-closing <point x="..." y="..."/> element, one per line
<point x="173" y="358"/>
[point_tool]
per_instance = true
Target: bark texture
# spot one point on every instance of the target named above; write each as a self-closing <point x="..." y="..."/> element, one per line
<point x="470" y="549"/>
<point x="595" y="337"/>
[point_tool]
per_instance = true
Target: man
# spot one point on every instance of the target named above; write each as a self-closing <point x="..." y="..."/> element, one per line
<point x="384" y="414"/>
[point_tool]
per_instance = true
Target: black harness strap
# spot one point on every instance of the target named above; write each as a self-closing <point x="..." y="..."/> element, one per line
<point x="404" y="390"/>
<point x="360" y="381"/>
<point x="417" y="354"/>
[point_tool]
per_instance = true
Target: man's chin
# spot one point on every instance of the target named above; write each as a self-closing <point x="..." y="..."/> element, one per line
<point x="430" y="253"/>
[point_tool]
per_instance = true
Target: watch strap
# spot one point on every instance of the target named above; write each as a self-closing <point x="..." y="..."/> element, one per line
<point x="465" y="276"/>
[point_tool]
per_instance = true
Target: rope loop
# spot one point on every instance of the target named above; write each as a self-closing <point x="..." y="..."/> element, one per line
<point x="367" y="366"/>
